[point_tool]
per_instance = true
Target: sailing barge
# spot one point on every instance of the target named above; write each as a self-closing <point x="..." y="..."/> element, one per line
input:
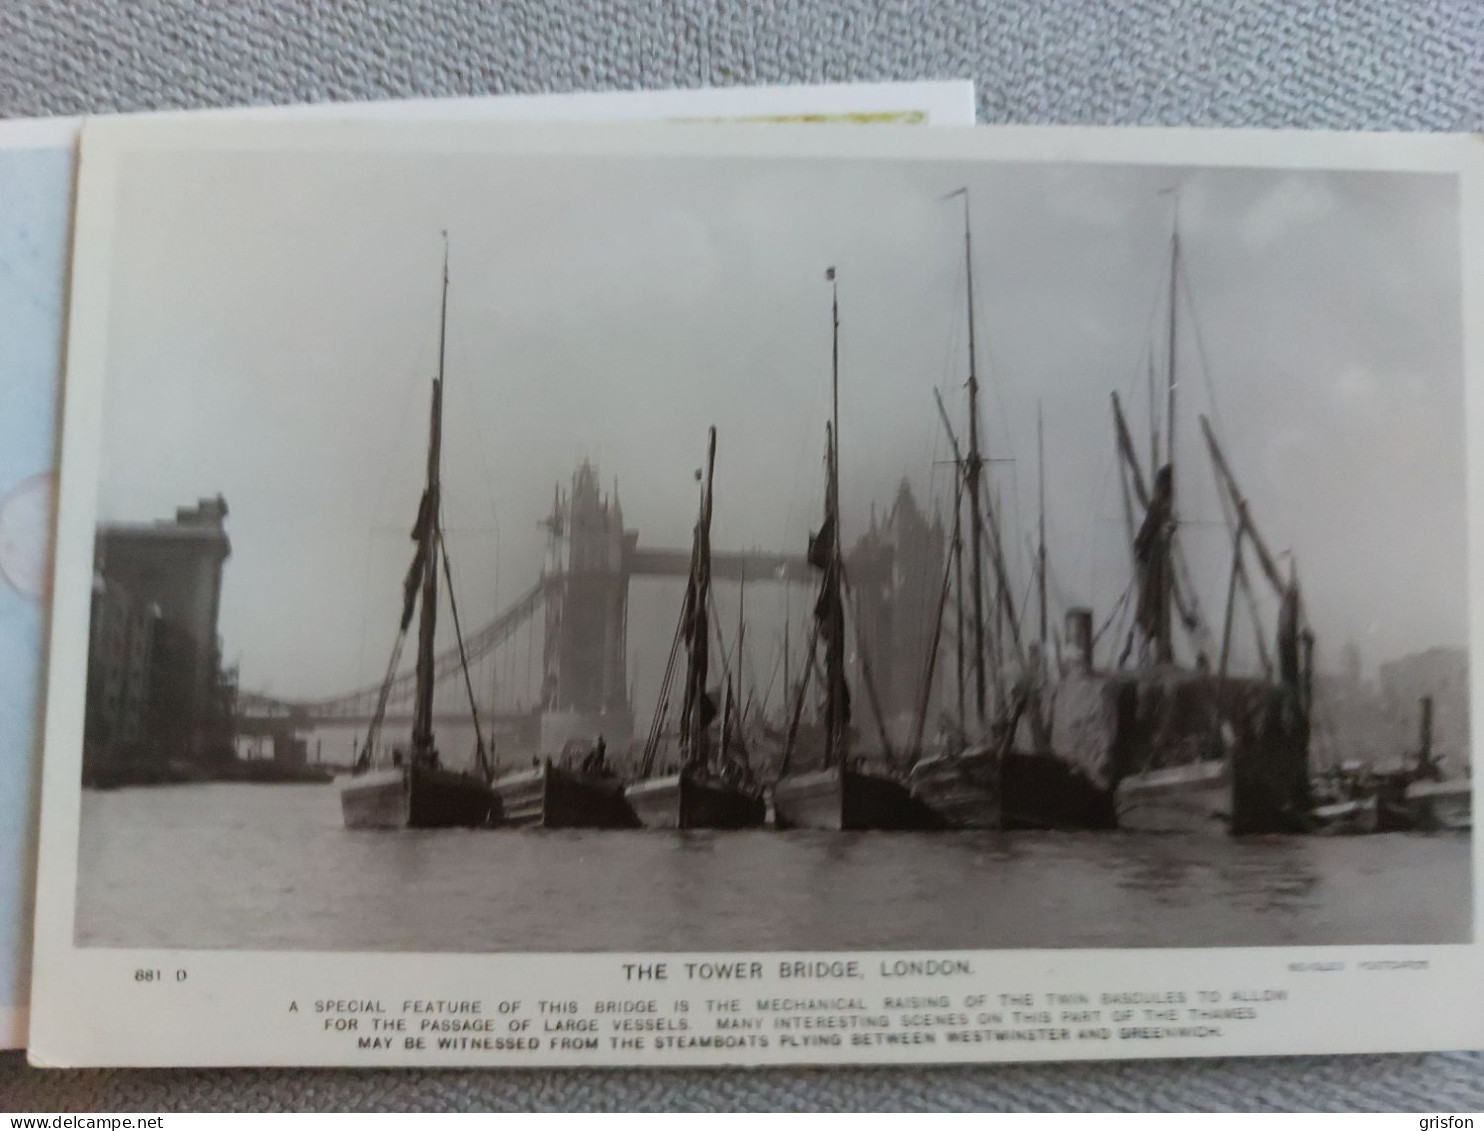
<point x="552" y="795"/>
<point x="415" y="790"/>
<point x="1192" y="749"/>
<point x="842" y="793"/>
<point x="981" y="775"/>
<point x="711" y="788"/>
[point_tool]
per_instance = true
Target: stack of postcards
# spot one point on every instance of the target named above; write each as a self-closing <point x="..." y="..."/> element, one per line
<point x="503" y="583"/>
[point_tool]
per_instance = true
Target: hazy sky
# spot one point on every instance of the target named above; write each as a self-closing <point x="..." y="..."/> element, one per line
<point x="274" y="328"/>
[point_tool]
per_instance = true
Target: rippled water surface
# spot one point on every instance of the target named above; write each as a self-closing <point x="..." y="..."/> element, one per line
<point x="271" y="867"/>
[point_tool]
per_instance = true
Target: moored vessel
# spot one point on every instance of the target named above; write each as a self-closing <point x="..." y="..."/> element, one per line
<point x="1190" y="745"/>
<point x="998" y="767"/>
<point x="551" y="795"/>
<point x="1442" y="805"/>
<point x="1354" y="816"/>
<point x="414" y="789"/>
<point x="849" y="798"/>
<point x="843" y="792"/>
<point x="712" y="786"/>
<point x="1429" y="801"/>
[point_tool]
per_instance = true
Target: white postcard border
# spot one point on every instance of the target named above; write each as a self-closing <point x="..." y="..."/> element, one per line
<point x="235" y="1007"/>
<point x="934" y="102"/>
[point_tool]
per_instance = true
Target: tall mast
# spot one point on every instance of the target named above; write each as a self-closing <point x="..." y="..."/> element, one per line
<point x="1041" y="546"/>
<point x="741" y="635"/>
<point x="973" y="468"/>
<point x="787" y="686"/>
<point x="1167" y="614"/>
<point x="958" y="604"/>
<point x="1153" y="420"/>
<point x="696" y="710"/>
<point x="836" y="722"/>
<point x="428" y="522"/>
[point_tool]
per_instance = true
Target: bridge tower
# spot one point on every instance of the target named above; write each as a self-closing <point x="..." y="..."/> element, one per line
<point x="585" y="668"/>
<point x="896" y="569"/>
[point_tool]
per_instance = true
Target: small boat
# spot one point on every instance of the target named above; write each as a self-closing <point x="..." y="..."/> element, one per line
<point x="842" y="793"/>
<point x="1431" y="801"/>
<point x="1356" y="816"/>
<point x="712" y="788"/>
<point x="691" y="799"/>
<point x="416" y="790"/>
<point x="849" y="798"/>
<point x="416" y="796"/>
<point x="553" y="796"/>
<point x="1195" y="797"/>
<point x="1442" y="805"/>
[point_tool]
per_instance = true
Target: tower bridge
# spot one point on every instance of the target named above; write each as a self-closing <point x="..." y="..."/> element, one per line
<point x="579" y="604"/>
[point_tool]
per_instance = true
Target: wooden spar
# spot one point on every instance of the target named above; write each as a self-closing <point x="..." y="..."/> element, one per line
<point x="1002" y="581"/>
<point x="1126" y="450"/>
<point x="837" y="725"/>
<point x="785" y="646"/>
<point x="958" y="546"/>
<point x="662" y="704"/>
<point x="1130" y="527"/>
<point x="995" y="644"/>
<point x="925" y="698"/>
<point x="741" y="636"/>
<point x="972" y="470"/>
<point x="1153" y="420"/>
<point x="829" y="607"/>
<point x="1257" y="630"/>
<point x="1041" y="548"/>
<point x="868" y="678"/>
<point x="958" y="573"/>
<point x="1229" y="483"/>
<point x="997" y="559"/>
<point x="835" y="722"/>
<point x="422" y="713"/>
<point x="1237" y="516"/>
<point x="1170" y="361"/>
<point x="481" y="759"/>
<point x="698" y="653"/>
<point x="798" y="712"/>
<point x="834" y="468"/>
<point x="1167" y="615"/>
<point x="1226" y="629"/>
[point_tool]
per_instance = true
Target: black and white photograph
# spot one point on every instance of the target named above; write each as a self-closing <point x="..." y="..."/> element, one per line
<point x="1004" y="594"/>
<point x="583" y="552"/>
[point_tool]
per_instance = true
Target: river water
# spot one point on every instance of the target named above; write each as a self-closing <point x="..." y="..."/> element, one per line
<point x="270" y="867"/>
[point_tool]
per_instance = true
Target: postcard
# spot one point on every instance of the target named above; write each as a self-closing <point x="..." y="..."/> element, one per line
<point x="762" y="594"/>
<point x="36" y="171"/>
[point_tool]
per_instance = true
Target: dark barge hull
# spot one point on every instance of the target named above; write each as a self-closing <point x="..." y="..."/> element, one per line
<point x="417" y="797"/>
<point x="1230" y="795"/>
<point x="688" y="801"/>
<point x="1194" y="798"/>
<point x="1043" y="791"/>
<point x="980" y="789"/>
<point x="1442" y="805"/>
<point x="852" y="800"/>
<point x="1189" y="751"/>
<point x="550" y="797"/>
<point x="961" y="787"/>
